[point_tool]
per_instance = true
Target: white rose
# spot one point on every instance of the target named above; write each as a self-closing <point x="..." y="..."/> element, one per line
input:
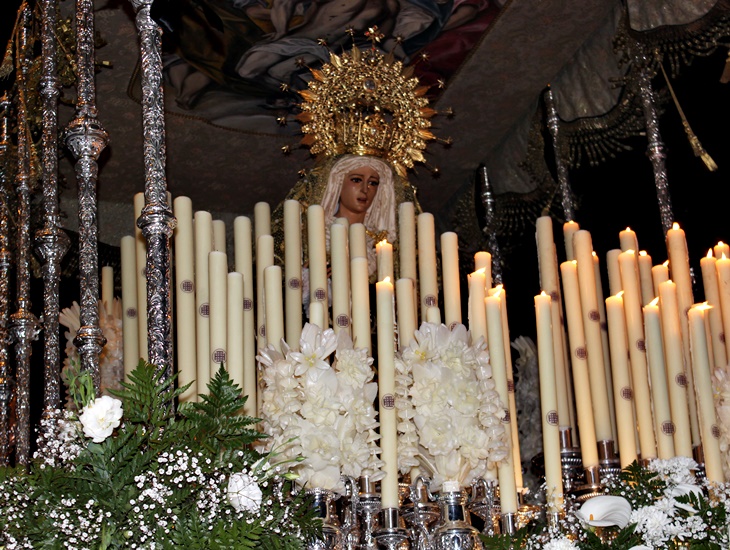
<point x="100" y="417"/>
<point x="244" y="493"/>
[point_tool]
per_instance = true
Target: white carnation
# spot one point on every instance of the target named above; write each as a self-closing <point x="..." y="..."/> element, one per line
<point x="100" y="417"/>
<point x="244" y="493"/>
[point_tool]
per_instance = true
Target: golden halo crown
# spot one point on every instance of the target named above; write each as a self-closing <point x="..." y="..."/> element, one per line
<point x="364" y="102"/>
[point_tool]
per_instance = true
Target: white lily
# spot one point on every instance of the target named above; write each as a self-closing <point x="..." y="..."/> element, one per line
<point x="682" y="489"/>
<point x="605" y="511"/>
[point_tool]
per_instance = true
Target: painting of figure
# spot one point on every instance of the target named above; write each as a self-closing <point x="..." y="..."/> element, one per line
<point x="240" y="63"/>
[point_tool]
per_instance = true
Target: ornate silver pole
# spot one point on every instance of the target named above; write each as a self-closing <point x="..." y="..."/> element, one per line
<point x="86" y="138"/>
<point x="24" y="325"/>
<point x="6" y="381"/>
<point x="490" y="227"/>
<point x="655" y="148"/>
<point x="51" y="242"/>
<point x="157" y="220"/>
<point x="553" y="123"/>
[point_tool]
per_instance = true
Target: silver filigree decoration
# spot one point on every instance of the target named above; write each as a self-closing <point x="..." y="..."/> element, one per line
<point x="86" y="138"/>
<point x="6" y="381"/>
<point x="24" y="325"/>
<point x="51" y="242"/>
<point x="553" y="123"/>
<point x="156" y="221"/>
<point x="655" y="147"/>
<point x="490" y="227"/>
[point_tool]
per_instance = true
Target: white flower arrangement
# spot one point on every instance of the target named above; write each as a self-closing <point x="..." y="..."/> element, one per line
<point x="449" y="413"/>
<point x="320" y="412"/>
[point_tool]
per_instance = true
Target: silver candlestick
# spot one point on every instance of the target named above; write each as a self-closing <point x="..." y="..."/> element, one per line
<point x="391" y="535"/>
<point x="553" y="123"/>
<point x="86" y="139"/>
<point x="421" y="514"/>
<point x="157" y="221"/>
<point x="490" y="226"/>
<point x="24" y="325"/>
<point x="655" y="147"/>
<point x="51" y="242"/>
<point x="368" y="508"/>
<point x="6" y="381"/>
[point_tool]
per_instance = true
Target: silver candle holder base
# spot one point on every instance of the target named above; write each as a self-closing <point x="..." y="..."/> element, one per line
<point x="609" y="465"/>
<point x="391" y="535"/>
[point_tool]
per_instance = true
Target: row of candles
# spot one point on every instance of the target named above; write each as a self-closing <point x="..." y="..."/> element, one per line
<point x="209" y="303"/>
<point x="646" y="355"/>
<point x="216" y="321"/>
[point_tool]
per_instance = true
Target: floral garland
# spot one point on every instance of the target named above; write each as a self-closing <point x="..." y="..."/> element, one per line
<point x="129" y="473"/>
<point x="321" y="412"/>
<point x="659" y="506"/>
<point x="449" y="413"/>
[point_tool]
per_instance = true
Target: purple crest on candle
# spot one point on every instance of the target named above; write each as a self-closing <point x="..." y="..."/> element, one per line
<point x="247" y="304"/>
<point x="205" y="310"/>
<point x="715" y="431"/>
<point x="262" y="331"/>
<point x="668" y="427"/>
<point x="627" y="393"/>
<point x="552" y="418"/>
<point x="131" y="312"/>
<point x="219" y="356"/>
<point x="388" y="401"/>
<point x="554" y="296"/>
<point x="187" y="286"/>
<point x="581" y="353"/>
<point x="511" y="386"/>
<point x="681" y="380"/>
<point x="320" y="294"/>
<point x="604" y="326"/>
<point x="294" y="283"/>
<point x="593" y="315"/>
<point x="452" y="326"/>
<point x="430" y="300"/>
<point x="722" y="337"/>
<point x="506" y="417"/>
<point x="343" y="321"/>
<point x="641" y="345"/>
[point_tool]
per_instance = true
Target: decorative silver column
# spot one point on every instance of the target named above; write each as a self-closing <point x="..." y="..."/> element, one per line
<point x="51" y="242"/>
<point x="490" y="227"/>
<point x="553" y="123"/>
<point x="86" y="138"/>
<point x="157" y="220"/>
<point x="6" y="381"/>
<point x="24" y="325"/>
<point x="655" y="147"/>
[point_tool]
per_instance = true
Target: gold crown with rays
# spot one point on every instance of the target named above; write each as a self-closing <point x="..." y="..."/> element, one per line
<point x="364" y="102"/>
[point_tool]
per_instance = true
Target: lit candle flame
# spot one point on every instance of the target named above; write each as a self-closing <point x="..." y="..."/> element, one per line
<point x="703" y="306"/>
<point x="386" y="280"/>
<point x="654" y="302"/>
<point x="620" y="294"/>
<point x="709" y="253"/>
<point x="675" y="226"/>
<point x="666" y="263"/>
<point x="627" y="228"/>
<point x="642" y="253"/>
<point x="383" y="242"/>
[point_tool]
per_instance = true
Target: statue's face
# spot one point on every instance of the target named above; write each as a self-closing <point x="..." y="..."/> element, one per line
<point x="359" y="189"/>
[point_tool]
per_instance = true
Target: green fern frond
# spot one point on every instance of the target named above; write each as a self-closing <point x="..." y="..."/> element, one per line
<point x="216" y="422"/>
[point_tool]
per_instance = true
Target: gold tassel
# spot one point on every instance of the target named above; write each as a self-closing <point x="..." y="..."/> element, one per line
<point x="725" y="78"/>
<point x="694" y="141"/>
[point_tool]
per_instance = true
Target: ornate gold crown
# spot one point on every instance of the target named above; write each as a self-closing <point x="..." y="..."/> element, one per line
<point x="366" y="103"/>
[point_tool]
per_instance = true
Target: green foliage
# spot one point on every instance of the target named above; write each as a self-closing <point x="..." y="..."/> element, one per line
<point x="160" y="477"/>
